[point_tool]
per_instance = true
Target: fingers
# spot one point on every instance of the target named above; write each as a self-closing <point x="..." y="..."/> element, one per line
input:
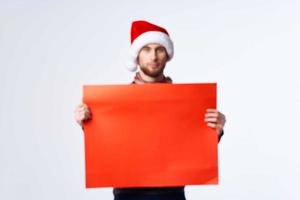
<point x="83" y="109"/>
<point x="212" y="125"/>
<point x="211" y="110"/>
<point x="82" y="106"/>
<point x="214" y="118"/>
<point x="211" y="119"/>
<point x="82" y="113"/>
<point x="211" y="114"/>
<point x="87" y="115"/>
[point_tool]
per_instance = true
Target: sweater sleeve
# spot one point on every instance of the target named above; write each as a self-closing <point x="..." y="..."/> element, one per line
<point x="221" y="135"/>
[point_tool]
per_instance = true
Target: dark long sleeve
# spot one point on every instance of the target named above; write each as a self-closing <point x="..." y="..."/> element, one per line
<point x="221" y="135"/>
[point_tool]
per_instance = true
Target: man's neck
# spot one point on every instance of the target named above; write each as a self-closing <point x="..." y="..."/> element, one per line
<point x="151" y="79"/>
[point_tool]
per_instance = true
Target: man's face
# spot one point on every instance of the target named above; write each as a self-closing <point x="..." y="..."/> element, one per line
<point x="152" y="59"/>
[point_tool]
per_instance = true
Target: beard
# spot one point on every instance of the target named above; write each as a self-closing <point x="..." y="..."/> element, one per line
<point x="155" y="73"/>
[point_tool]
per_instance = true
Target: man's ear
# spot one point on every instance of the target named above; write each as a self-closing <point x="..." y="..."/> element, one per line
<point x="168" y="58"/>
<point x="137" y="60"/>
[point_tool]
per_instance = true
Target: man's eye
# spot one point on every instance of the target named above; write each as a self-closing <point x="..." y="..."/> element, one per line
<point x="160" y="49"/>
<point x="146" y="49"/>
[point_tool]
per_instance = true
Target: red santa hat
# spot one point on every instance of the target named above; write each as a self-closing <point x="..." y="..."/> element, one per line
<point x="143" y="33"/>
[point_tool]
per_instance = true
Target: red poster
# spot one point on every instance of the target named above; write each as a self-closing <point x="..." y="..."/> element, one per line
<point x="150" y="135"/>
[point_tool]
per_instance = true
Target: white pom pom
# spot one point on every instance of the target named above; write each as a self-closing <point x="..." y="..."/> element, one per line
<point x="131" y="63"/>
<point x="131" y="66"/>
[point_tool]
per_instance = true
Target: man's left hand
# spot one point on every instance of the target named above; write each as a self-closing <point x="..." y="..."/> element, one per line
<point x="215" y="119"/>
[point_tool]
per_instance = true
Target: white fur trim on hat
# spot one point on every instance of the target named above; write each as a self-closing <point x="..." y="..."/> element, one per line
<point x="148" y="38"/>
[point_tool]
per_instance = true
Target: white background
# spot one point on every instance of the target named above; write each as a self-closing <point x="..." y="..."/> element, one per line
<point x="49" y="49"/>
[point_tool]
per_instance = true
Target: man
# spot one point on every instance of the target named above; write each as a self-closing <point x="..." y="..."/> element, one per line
<point x="151" y="49"/>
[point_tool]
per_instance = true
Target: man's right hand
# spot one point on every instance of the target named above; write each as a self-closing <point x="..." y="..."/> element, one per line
<point x="82" y="113"/>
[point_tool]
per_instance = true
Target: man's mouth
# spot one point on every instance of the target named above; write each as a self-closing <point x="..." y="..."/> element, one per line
<point x="153" y="65"/>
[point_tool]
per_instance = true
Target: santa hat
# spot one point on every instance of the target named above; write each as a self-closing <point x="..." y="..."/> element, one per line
<point x="143" y="33"/>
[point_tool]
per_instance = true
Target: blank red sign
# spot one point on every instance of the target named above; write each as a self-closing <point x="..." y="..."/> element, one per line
<point x="150" y="135"/>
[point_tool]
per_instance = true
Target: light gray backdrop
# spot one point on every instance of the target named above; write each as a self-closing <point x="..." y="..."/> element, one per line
<point x="49" y="49"/>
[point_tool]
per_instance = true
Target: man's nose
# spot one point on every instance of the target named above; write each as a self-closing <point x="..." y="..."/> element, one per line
<point x="153" y="55"/>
